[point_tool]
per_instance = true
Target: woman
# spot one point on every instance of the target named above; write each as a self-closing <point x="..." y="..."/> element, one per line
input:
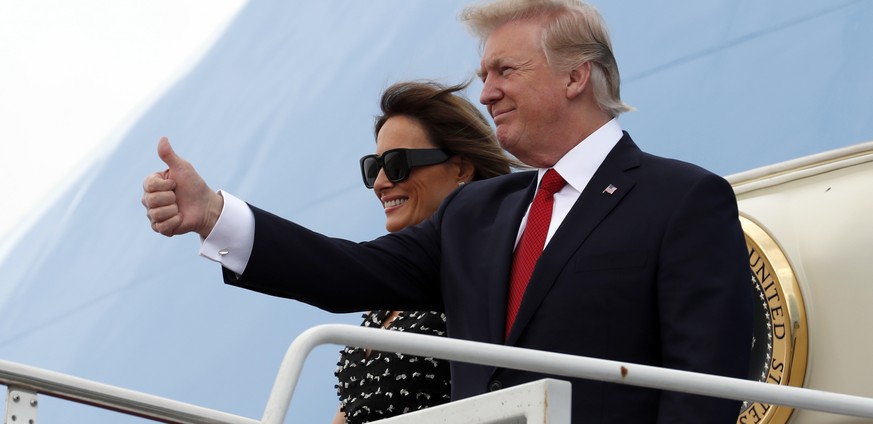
<point x="429" y="142"/>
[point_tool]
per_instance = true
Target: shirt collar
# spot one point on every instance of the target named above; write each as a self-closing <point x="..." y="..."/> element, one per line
<point x="581" y="162"/>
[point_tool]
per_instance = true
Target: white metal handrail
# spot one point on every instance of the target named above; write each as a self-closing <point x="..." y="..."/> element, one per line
<point x="548" y="363"/>
<point x="113" y="398"/>
<point x="100" y="395"/>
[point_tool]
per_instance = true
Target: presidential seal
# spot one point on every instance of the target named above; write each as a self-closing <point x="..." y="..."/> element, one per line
<point x="780" y="341"/>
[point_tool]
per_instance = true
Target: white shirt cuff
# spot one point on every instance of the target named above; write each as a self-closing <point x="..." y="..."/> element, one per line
<point x="231" y="240"/>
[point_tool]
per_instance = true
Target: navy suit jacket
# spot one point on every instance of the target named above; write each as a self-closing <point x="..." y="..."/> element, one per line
<point x="654" y="273"/>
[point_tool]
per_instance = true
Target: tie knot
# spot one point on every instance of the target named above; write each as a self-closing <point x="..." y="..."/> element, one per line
<point x="552" y="182"/>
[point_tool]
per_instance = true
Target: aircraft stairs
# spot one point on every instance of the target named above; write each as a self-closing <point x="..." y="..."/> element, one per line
<point x="544" y="401"/>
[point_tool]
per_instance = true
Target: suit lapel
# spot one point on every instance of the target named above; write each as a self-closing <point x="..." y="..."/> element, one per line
<point x="503" y="242"/>
<point x="593" y="205"/>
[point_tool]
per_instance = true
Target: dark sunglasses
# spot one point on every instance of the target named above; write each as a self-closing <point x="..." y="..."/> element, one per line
<point x="398" y="162"/>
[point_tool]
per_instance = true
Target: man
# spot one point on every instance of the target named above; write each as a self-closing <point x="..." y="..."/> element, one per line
<point x="644" y="258"/>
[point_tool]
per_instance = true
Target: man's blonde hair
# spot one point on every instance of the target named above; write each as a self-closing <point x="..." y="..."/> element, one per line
<point x="573" y="33"/>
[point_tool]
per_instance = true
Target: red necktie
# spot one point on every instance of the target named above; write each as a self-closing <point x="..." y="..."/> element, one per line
<point x="533" y="239"/>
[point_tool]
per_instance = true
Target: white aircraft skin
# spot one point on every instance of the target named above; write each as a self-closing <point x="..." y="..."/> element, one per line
<point x="280" y="110"/>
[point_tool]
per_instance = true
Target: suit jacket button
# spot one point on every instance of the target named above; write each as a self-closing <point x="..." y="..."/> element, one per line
<point x="495" y="385"/>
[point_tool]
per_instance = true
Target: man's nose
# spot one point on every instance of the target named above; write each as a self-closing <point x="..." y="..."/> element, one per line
<point x="490" y="93"/>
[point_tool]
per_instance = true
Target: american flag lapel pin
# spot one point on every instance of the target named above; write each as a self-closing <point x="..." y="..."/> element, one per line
<point x="610" y="189"/>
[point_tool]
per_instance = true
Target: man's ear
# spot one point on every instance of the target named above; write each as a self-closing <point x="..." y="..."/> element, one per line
<point x="579" y="78"/>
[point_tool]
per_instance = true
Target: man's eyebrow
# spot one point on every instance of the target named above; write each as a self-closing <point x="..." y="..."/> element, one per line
<point x="492" y="63"/>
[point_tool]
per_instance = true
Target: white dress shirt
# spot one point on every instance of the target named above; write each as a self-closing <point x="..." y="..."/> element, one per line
<point x="231" y="240"/>
<point x="576" y="167"/>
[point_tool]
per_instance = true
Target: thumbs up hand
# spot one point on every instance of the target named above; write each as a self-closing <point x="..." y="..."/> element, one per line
<point x="177" y="200"/>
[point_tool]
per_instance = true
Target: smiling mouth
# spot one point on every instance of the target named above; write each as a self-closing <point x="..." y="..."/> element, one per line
<point x="394" y="202"/>
<point x="500" y="113"/>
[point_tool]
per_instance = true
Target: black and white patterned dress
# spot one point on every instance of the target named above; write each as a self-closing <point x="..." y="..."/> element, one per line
<point x="386" y="384"/>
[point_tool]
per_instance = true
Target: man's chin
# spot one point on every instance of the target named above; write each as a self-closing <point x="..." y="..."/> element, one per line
<point x="506" y="141"/>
